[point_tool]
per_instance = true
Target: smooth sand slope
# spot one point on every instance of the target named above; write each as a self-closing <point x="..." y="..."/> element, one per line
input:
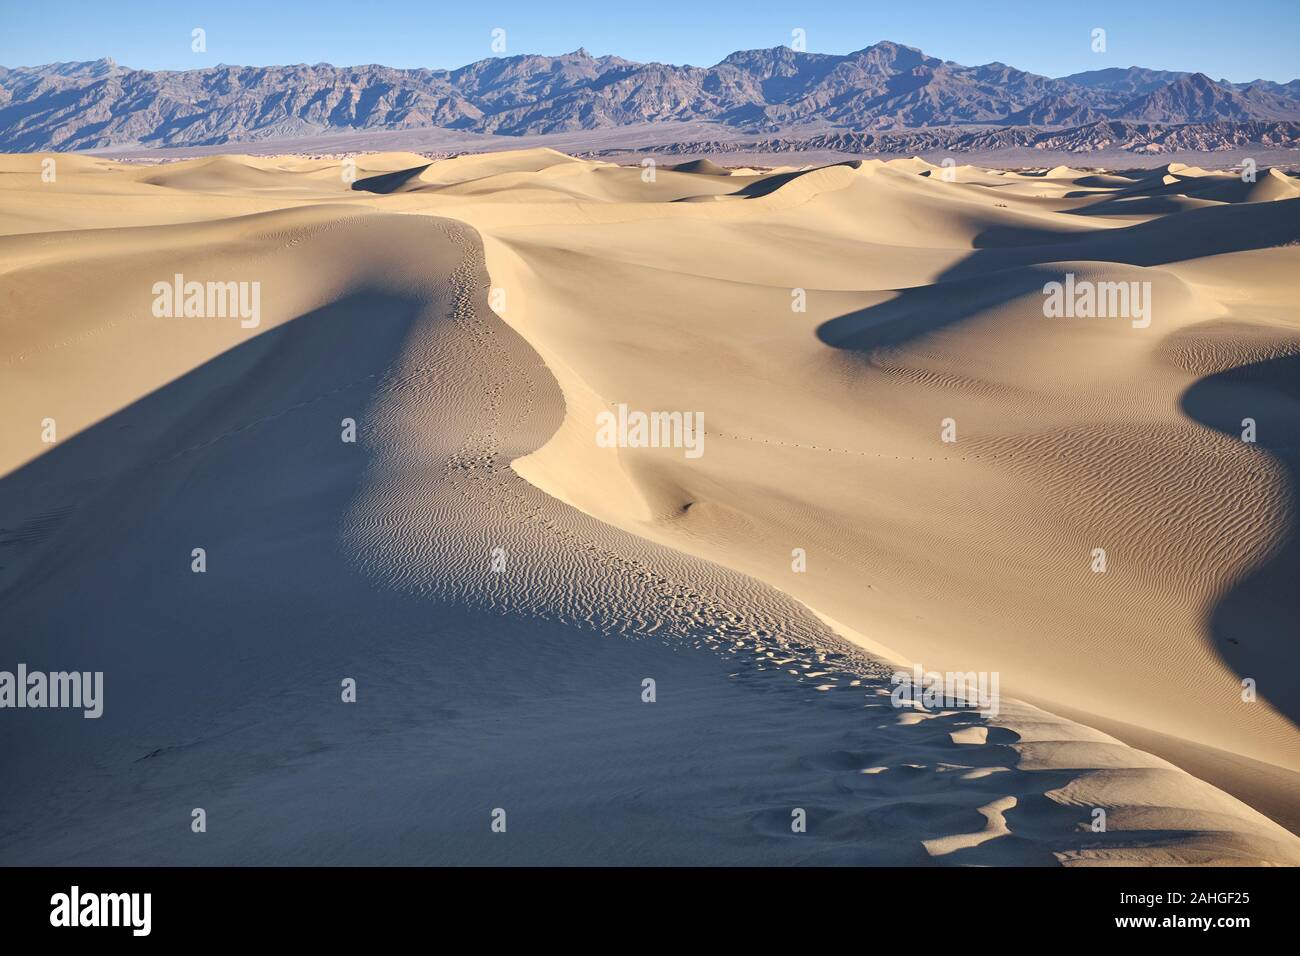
<point x="521" y="688"/>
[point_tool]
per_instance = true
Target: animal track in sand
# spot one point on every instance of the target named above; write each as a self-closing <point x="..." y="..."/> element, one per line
<point x="478" y="474"/>
<point x="862" y="454"/>
<point x="246" y="449"/>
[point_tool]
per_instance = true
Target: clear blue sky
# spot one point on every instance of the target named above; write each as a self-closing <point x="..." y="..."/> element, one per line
<point x="1239" y="41"/>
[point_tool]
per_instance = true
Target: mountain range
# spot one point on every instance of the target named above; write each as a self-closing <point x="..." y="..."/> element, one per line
<point x="884" y="87"/>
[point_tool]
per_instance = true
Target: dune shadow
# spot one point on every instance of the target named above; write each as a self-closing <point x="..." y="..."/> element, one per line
<point x="389" y="182"/>
<point x="1135" y="206"/>
<point x="700" y="167"/>
<point x="245" y="388"/>
<point x="1254" y="626"/>
<point x="1191" y="234"/>
<point x="1104" y="181"/>
<point x="770" y="184"/>
<point x="921" y="310"/>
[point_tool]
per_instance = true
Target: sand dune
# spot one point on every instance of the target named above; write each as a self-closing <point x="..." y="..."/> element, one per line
<point x="473" y="316"/>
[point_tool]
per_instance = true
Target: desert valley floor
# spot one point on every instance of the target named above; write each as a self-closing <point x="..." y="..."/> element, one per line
<point x="499" y="586"/>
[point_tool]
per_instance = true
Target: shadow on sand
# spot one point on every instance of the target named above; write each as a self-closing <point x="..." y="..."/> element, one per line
<point x="1256" y="626"/>
<point x="389" y="182"/>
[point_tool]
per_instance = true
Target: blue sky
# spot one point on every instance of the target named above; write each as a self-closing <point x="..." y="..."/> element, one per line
<point x="1237" y="41"/>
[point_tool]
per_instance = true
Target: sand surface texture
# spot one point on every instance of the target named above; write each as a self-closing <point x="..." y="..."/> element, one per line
<point x="500" y="586"/>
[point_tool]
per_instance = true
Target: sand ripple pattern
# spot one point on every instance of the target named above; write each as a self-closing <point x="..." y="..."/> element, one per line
<point x="443" y="497"/>
<point x="469" y="396"/>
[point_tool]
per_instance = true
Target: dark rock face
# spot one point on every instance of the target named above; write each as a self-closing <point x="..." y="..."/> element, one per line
<point x="778" y="91"/>
<point x="1106" y="135"/>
